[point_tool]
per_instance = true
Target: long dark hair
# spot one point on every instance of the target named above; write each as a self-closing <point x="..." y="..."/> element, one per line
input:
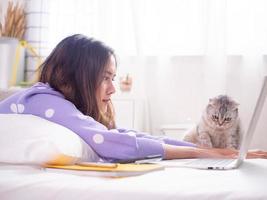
<point x="74" y="68"/>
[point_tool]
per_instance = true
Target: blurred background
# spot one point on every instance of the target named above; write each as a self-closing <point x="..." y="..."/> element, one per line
<point x="177" y="54"/>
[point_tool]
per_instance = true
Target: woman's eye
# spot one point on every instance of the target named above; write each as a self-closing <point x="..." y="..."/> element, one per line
<point x="109" y="78"/>
<point x="106" y="78"/>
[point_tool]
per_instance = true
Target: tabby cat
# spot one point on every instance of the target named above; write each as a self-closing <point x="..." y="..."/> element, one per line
<point x="219" y="126"/>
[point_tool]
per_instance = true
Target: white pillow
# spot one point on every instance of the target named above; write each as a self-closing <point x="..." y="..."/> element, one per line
<point x="28" y="139"/>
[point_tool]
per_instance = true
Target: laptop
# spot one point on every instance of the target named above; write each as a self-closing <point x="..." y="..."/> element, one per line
<point x="225" y="164"/>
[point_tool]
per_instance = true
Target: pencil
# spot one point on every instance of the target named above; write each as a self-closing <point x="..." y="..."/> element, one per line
<point x="97" y="164"/>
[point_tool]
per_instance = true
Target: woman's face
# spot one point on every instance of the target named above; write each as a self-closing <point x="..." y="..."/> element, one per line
<point x="106" y="87"/>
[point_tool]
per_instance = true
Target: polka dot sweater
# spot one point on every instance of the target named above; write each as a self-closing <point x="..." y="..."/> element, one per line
<point x="43" y="101"/>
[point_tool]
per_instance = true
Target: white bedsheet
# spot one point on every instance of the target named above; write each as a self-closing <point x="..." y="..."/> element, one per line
<point x="247" y="182"/>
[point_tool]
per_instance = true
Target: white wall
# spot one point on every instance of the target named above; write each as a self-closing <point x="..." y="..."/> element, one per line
<point x="178" y="88"/>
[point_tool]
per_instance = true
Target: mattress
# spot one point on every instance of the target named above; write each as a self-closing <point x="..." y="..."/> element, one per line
<point x="27" y="182"/>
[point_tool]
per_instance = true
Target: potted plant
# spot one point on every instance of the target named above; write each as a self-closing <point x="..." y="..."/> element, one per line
<point x="12" y="53"/>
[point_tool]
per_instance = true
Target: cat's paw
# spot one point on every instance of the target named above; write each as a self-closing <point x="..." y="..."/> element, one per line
<point x="232" y="146"/>
<point x="204" y="141"/>
<point x="205" y="144"/>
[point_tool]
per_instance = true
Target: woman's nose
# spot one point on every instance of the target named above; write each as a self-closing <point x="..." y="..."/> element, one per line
<point x="112" y="88"/>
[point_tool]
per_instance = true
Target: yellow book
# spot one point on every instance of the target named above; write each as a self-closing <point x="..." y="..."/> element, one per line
<point x="105" y="169"/>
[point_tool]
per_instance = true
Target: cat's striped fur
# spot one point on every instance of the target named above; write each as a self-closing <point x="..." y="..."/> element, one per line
<point x="219" y="126"/>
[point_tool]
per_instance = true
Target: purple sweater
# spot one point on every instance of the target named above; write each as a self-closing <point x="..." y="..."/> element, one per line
<point x="43" y="101"/>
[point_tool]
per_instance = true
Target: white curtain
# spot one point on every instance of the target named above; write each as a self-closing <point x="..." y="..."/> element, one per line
<point x="179" y="52"/>
<point x="164" y="27"/>
<point x="134" y="27"/>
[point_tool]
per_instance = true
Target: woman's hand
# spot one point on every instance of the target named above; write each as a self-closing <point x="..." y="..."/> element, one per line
<point x="232" y="153"/>
<point x="257" y="154"/>
<point x="217" y="153"/>
<point x="176" y="152"/>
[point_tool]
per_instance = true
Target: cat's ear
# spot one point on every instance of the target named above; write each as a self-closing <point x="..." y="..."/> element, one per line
<point x="211" y="102"/>
<point x="209" y="109"/>
<point x="235" y="111"/>
<point x="235" y="104"/>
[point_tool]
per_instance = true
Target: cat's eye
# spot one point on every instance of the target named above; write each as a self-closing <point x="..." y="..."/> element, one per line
<point x="215" y="117"/>
<point x="228" y="119"/>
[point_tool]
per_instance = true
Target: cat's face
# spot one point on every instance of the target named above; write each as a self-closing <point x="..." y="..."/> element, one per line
<point x="222" y="111"/>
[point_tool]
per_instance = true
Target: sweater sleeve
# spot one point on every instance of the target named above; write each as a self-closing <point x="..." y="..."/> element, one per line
<point x="43" y="101"/>
<point x="108" y="144"/>
<point x="163" y="139"/>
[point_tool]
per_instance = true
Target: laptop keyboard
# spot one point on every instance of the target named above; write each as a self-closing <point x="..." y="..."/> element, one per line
<point x="210" y="162"/>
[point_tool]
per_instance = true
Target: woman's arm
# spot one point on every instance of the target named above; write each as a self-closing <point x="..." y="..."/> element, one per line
<point x="161" y="139"/>
<point x="257" y="154"/>
<point x="176" y="152"/>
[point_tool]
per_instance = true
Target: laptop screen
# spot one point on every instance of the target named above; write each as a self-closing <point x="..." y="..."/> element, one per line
<point x="254" y="120"/>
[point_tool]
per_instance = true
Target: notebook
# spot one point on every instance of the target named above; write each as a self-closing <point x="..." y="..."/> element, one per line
<point x="105" y="169"/>
<point x="221" y="164"/>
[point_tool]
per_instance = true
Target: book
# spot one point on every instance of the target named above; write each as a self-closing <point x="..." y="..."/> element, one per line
<point x="110" y="170"/>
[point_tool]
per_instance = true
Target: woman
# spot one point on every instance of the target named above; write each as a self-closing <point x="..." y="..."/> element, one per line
<point x="74" y="90"/>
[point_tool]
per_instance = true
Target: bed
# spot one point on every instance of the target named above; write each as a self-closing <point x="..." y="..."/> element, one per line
<point x="247" y="182"/>
<point x="21" y="142"/>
